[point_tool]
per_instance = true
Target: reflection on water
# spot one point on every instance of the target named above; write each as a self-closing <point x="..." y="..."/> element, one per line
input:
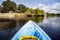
<point x="7" y="34"/>
<point x="52" y="27"/>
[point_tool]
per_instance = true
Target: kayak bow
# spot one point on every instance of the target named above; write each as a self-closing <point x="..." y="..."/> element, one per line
<point x="31" y="29"/>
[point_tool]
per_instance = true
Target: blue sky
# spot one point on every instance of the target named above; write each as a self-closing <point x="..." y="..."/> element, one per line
<point x="32" y="3"/>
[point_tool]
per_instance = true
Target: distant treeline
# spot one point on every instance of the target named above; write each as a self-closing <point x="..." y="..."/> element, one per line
<point x="52" y="14"/>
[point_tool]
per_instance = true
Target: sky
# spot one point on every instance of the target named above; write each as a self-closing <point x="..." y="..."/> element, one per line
<point x="52" y="6"/>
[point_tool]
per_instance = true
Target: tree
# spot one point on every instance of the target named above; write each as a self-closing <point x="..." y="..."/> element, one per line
<point x="9" y="6"/>
<point x="28" y="12"/>
<point x="22" y="8"/>
<point x="38" y="11"/>
<point x="32" y="10"/>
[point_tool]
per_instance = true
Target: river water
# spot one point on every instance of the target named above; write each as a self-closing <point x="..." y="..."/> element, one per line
<point x="50" y="25"/>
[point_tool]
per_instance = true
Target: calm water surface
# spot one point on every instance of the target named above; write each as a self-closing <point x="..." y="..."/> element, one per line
<point x="50" y="25"/>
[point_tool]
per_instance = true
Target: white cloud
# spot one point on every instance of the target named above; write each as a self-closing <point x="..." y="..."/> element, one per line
<point x="41" y="6"/>
<point x="38" y="6"/>
<point x="54" y="8"/>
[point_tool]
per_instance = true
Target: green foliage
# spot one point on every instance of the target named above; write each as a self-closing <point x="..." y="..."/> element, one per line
<point x="31" y="10"/>
<point x="35" y="11"/>
<point x="50" y="14"/>
<point x="39" y="12"/>
<point x="22" y="8"/>
<point x="8" y="6"/>
<point x="28" y="12"/>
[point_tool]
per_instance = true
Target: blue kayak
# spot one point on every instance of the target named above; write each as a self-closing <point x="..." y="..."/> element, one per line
<point x="31" y="29"/>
